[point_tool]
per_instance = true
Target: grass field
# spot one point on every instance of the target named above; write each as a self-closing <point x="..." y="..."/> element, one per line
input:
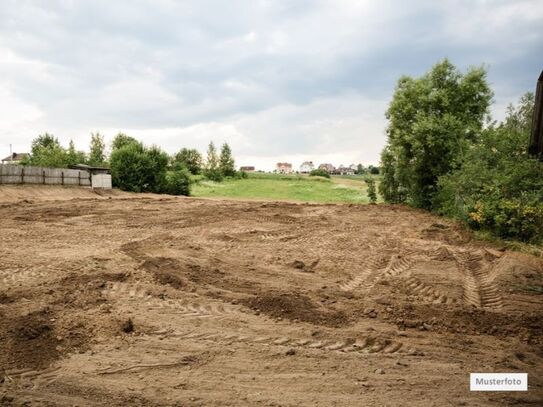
<point x="287" y="187"/>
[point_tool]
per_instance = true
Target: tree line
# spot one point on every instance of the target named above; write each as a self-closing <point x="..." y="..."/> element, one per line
<point x="136" y="167"/>
<point x="444" y="153"/>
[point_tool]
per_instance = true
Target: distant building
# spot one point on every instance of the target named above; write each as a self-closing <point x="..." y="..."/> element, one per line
<point x="307" y="167"/>
<point x="247" y="169"/>
<point x="15" y="158"/>
<point x="283" y="168"/>
<point x="327" y="167"/>
<point x="341" y="170"/>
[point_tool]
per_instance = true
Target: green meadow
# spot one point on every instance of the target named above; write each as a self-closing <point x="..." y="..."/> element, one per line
<point x="300" y="188"/>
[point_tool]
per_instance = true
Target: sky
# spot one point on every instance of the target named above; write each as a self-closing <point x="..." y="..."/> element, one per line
<point x="279" y="80"/>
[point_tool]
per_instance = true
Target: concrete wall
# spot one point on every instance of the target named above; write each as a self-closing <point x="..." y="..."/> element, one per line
<point x="19" y="174"/>
<point x="101" y="181"/>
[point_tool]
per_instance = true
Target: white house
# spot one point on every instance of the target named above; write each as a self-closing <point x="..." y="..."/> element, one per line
<point x="307" y="167"/>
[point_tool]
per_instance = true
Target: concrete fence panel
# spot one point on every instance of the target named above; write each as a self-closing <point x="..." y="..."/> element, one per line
<point x="19" y="174"/>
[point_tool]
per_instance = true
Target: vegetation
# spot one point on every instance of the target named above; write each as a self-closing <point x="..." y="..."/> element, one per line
<point x="226" y="162"/>
<point x="285" y="187"/>
<point x="212" y="170"/>
<point x="190" y="159"/>
<point x="441" y="157"/>
<point x="498" y="187"/>
<point x="372" y="193"/>
<point x="46" y="151"/>
<point x="97" y="155"/>
<point x="432" y="121"/>
<point x="137" y="168"/>
<point x="319" y="172"/>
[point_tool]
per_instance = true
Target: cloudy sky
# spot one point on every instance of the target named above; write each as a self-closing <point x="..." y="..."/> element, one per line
<point x="279" y="80"/>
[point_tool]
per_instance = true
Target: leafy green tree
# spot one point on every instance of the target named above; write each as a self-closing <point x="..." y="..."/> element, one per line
<point x="121" y="140"/>
<point x="97" y="154"/>
<point x="74" y="156"/>
<point x="372" y="193"/>
<point x="212" y="170"/>
<point x="373" y="170"/>
<point x="226" y="161"/>
<point x="360" y="169"/>
<point x="46" y="151"/>
<point x="432" y="121"/>
<point x="498" y="186"/>
<point x="190" y="159"/>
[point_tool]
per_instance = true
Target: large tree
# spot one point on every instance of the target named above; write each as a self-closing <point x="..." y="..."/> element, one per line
<point x="190" y="159"/>
<point x="226" y="161"/>
<point x="212" y="170"/>
<point x="74" y="156"/>
<point x="46" y="151"/>
<point x="97" y="154"/>
<point x="122" y="140"/>
<point x="431" y="122"/>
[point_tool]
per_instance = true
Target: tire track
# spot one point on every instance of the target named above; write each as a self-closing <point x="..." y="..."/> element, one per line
<point x="19" y="277"/>
<point x="364" y="345"/>
<point x="479" y="290"/>
<point x="137" y="294"/>
<point x="393" y="266"/>
<point x="427" y="292"/>
<point x="29" y="378"/>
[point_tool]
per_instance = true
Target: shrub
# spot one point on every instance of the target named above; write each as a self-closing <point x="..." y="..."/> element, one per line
<point x="138" y="169"/>
<point x="319" y="172"/>
<point x="498" y="186"/>
<point x="177" y="182"/>
<point x="241" y="175"/>
<point x="372" y="194"/>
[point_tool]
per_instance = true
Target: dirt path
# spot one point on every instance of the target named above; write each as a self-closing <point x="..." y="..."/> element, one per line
<point x="187" y="302"/>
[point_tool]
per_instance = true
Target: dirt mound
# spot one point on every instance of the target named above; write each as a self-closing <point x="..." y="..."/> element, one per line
<point x="166" y="271"/>
<point x="28" y="341"/>
<point x="295" y="307"/>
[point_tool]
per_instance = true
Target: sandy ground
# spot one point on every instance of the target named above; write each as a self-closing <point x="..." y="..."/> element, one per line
<point x="190" y="302"/>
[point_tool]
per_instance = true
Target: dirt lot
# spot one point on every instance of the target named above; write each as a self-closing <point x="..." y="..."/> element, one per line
<point x="186" y="302"/>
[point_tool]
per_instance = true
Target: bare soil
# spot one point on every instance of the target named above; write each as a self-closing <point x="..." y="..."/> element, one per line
<point x="127" y="300"/>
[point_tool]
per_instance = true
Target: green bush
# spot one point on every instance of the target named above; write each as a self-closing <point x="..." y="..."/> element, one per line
<point x="498" y="186"/>
<point x="136" y="168"/>
<point x="319" y="172"/>
<point x="177" y="182"/>
<point x="372" y="194"/>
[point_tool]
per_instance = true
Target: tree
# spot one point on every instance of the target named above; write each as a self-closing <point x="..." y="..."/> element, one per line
<point x="97" y="155"/>
<point x="432" y="121"/>
<point x="360" y="169"/>
<point x="74" y="156"/>
<point x="190" y="159"/>
<point x="226" y="161"/>
<point x="373" y="170"/>
<point x="372" y="194"/>
<point x="46" y="151"/>
<point x="121" y="140"/>
<point x="212" y="170"/>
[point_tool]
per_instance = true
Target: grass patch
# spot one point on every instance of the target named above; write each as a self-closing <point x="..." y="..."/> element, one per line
<point x="514" y="245"/>
<point x="286" y="187"/>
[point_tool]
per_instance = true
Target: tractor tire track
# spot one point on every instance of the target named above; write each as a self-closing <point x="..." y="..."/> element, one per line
<point x="364" y="345"/>
<point x="129" y="294"/>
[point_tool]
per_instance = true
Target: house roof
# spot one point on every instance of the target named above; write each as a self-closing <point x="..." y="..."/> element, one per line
<point x="16" y="157"/>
